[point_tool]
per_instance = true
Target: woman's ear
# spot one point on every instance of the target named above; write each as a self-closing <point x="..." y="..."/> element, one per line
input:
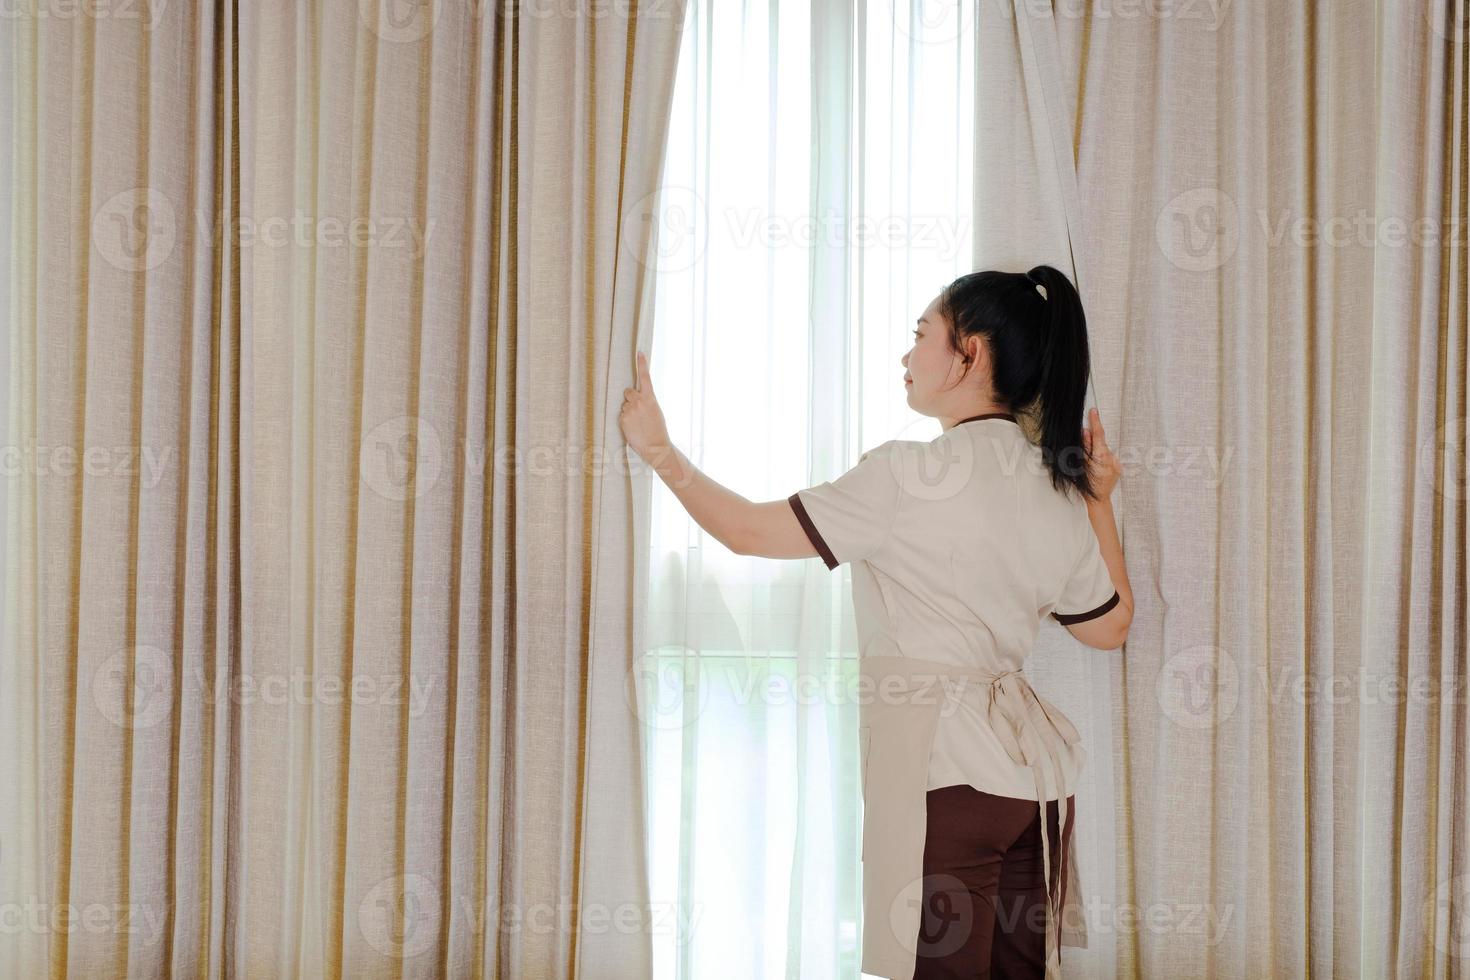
<point x="974" y="346"/>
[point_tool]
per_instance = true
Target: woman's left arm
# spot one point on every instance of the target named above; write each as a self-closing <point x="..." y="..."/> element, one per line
<point x="765" y="530"/>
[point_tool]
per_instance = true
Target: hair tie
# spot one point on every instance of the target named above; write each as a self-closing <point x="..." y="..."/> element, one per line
<point x="1040" y="289"/>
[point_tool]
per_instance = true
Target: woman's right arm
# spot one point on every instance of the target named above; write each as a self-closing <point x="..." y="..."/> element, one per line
<point x="1108" y="631"/>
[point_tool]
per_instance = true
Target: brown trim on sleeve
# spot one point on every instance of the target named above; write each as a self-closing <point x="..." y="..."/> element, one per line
<point x="812" y="533"/>
<point x="1067" y="619"/>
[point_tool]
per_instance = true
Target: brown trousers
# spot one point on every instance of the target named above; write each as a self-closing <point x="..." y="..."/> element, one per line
<point x="984" y="909"/>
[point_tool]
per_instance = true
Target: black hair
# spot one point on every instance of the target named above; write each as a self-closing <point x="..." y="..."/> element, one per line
<point x="1038" y="355"/>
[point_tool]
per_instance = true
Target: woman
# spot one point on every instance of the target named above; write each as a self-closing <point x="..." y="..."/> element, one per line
<point x="960" y="547"/>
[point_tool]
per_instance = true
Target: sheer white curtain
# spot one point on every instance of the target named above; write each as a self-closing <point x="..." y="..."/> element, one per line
<point x="817" y="194"/>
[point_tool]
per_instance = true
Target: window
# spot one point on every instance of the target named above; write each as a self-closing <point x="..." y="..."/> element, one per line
<point x="816" y="196"/>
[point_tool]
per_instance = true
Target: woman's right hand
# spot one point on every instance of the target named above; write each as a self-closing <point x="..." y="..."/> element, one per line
<point x="1103" y="468"/>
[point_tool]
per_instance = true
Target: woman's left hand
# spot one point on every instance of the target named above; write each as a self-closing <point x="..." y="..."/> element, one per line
<point x="1103" y="467"/>
<point x="641" y="419"/>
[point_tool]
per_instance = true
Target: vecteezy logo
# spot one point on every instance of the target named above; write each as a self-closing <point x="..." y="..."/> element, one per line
<point x="133" y="688"/>
<point x="666" y="229"/>
<point x="1445" y="451"/>
<point x="399" y="21"/>
<point x="401" y="458"/>
<point x="399" y="916"/>
<point x="935" y="21"/>
<point x="935" y="470"/>
<point x="946" y="915"/>
<point x="1198" y="687"/>
<point x="1199" y="230"/>
<point x="666" y="693"/>
<point x="134" y="229"/>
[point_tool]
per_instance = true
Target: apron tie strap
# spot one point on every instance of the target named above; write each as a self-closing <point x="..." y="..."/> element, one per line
<point x="1010" y="702"/>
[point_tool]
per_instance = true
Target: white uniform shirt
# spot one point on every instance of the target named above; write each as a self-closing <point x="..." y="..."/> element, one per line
<point x="959" y="547"/>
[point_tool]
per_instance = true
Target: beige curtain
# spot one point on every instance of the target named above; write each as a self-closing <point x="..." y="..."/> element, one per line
<point x="318" y="608"/>
<point x="1266" y="206"/>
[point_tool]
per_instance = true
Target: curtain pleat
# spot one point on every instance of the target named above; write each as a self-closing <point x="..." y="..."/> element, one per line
<point x="319" y="612"/>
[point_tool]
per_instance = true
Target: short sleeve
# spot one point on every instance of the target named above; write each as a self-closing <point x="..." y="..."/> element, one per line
<point x="849" y="518"/>
<point x="1088" y="592"/>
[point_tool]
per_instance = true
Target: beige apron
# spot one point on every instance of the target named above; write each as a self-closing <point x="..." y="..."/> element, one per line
<point x="899" y="708"/>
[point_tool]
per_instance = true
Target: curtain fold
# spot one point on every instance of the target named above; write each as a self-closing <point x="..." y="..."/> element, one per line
<point x="319" y="610"/>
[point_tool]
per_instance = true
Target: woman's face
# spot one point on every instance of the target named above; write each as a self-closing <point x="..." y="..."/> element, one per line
<point x="934" y="372"/>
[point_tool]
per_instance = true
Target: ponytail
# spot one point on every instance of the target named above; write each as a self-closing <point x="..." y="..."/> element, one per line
<point x="1065" y="368"/>
<point x="1036" y="332"/>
